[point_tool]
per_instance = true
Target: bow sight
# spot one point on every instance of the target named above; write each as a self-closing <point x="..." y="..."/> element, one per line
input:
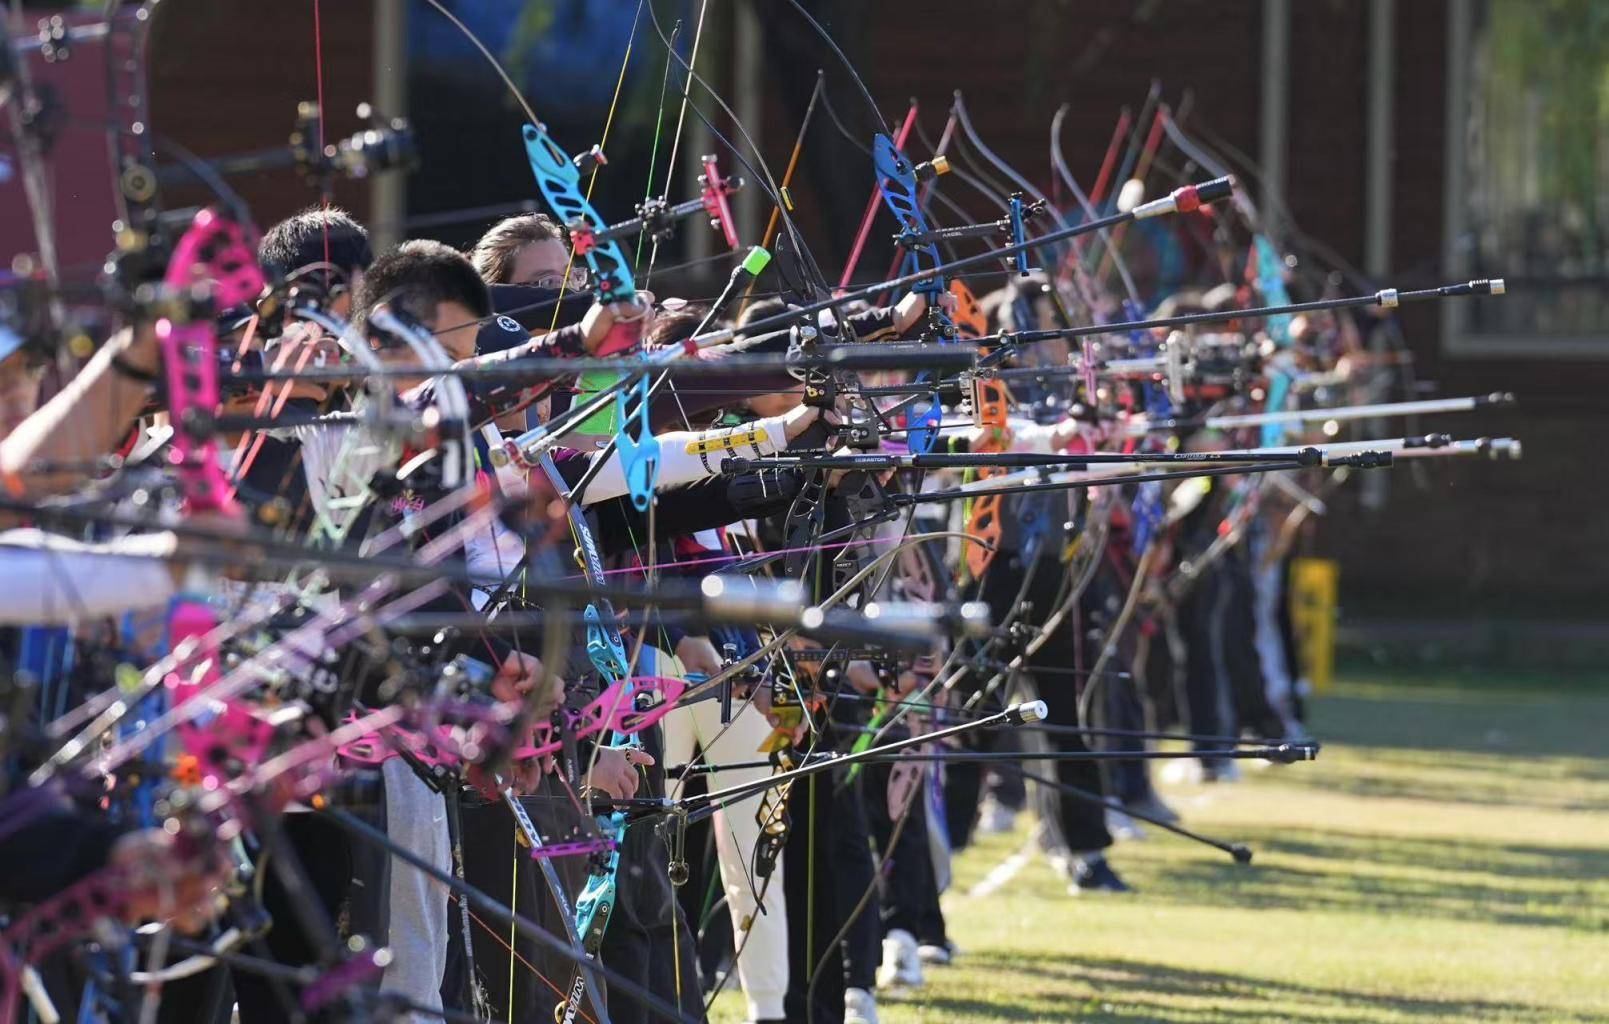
<point x="387" y="144"/>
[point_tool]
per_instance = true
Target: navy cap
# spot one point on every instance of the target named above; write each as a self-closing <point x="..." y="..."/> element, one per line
<point x="522" y="308"/>
<point x="499" y="334"/>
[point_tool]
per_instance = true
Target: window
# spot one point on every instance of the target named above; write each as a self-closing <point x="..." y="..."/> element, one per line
<point x="1528" y="175"/>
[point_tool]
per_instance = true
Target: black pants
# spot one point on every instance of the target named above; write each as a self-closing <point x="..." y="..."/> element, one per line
<point x="1078" y="824"/>
<point x="1224" y="681"/>
<point x="910" y="887"/>
<point x="1287" y="633"/>
<point x="648" y="939"/>
<point x="1204" y="621"/>
<point x="541" y="978"/>
<point x="1250" y="692"/>
<point x="1162" y="676"/>
<point x="823" y="882"/>
<point x="1121" y="706"/>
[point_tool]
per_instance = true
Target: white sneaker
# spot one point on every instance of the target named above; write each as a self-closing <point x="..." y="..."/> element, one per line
<point x="901" y="964"/>
<point x="995" y="818"/>
<point x="1152" y="807"/>
<point x="1123" y="827"/>
<point x="1186" y="771"/>
<point x="860" y="1006"/>
<point x="938" y="956"/>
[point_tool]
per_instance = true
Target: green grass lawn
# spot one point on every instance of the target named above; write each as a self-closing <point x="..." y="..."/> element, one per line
<point x="1445" y="859"/>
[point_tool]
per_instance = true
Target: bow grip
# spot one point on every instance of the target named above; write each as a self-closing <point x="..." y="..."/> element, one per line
<point x="604" y="649"/>
<point x="820" y="390"/>
<point x="636" y="445"/>
<point x="622" y="337"/>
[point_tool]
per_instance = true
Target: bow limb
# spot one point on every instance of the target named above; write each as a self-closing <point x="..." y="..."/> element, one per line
<point x="681" y="116"/>
<point x="775" y="219"/>
<point x="1013" y="205"/>
<point x="1103" y="177"/>
<point x="1242" y="200"/>
<point x="871" y="207"/>
<point x="758" y="169"/>
<point x="1136" y="164"/>
<point x="995" y="161"/>
<point x="608" y="656"/>
<point x="1058" y="162"/>
<point x="1131" y="149"/>
<point x="967" y="174"/>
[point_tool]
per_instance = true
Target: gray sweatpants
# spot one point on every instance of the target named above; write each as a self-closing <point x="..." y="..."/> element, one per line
<point x="416" y="820"/>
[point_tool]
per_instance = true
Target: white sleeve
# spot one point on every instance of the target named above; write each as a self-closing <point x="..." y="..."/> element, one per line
<point x="689" y="455"/>
<point x="491" y="554"/>
<point x="1027" y="436"/>
<point x="51" y="580"/>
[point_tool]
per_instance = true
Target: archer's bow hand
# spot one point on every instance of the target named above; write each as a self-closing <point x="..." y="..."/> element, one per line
<point x="615" y="771"/>
<point x="616" y="327"/>
<point x="800" y="419"/>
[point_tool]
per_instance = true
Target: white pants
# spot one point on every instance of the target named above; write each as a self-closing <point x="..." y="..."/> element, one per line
<point x="763" y="965"/>
<point x="416" y="820"/>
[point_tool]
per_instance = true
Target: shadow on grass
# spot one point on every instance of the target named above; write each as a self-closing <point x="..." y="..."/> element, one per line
<point x="1513" y="860"/>
<point x="1137" y="990"/>
<point x="1489" y="781"/>
<point x="1437" y="879"/>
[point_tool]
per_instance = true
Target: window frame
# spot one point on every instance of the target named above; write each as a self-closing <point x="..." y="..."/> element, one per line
<point x="1457" y="339"/>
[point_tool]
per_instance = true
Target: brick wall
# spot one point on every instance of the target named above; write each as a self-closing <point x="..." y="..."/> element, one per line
<point x="225" y="77"/>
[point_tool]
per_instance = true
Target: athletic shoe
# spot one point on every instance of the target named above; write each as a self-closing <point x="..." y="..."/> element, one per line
<point x="901" y="964"/>
<point x="1094" y="874"/>
<point x="1191" y="771"/>
<point x="1153" y="807"/>
<point x="1186" y="771"/>
<point x="995" y="818"/>
<point x="860" y="1006"/>
<point x="938" y="956"/>
<point x="1123" y="827"/>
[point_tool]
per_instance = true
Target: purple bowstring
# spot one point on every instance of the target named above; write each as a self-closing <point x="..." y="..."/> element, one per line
<point x="730" y="559"/>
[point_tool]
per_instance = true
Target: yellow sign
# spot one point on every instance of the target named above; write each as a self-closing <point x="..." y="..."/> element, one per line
<point x="1313" y="594"/>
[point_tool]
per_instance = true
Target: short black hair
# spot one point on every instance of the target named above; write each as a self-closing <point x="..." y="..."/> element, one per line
<point x="416" y="276"/>
<point x="299" y="240"/>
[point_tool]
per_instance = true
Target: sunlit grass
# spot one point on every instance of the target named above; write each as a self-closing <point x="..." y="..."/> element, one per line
<point x="1445" y="859"/>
